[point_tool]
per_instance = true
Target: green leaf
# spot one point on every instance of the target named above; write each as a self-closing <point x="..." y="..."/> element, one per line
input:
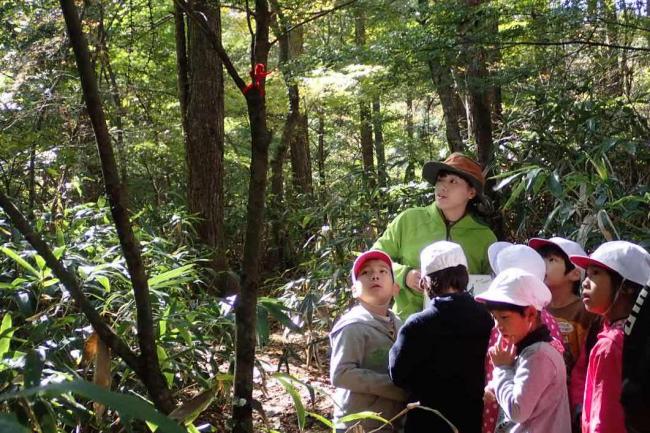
<point x="191" y="409"/>
<point x="505" y="182"/>
<point x="40" y="262"/>
<point x="6" y="332"/>
<point x="363" y="415"/>
<point x="14" y="255"/>
<point x="171" y="278"/>
<point x="554" y="184"/>
<point x="58" y="252"/>
<point x="165" y="365"/>
<point x="297" y="401"/>
<point x="322" y="419"/>
<point x="514" y="195"/>
<point x="9" y="424"/>
<point x="126" y="405"/>
<point x="277" y="310"/>
<point x="104" y="281"/>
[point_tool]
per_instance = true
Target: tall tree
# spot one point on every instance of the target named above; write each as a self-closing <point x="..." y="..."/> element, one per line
<point x="478" y="87"/>
<point x="246" y="303"/>
<point x="443" y="80"/>
<point x="201" y="95"/>
<point x="365" y="121"/>
<point x="295" y="133"/>
<point x="377" y="125"/>
<point x="409" y="173"/>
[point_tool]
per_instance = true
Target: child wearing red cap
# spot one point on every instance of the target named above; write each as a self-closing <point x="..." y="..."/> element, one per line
<point x="360" y="342"/>
<point x="616" y="273"/>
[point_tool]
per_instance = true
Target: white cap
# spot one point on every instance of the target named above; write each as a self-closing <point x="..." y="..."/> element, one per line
<point x="627" y="259"/>
<point x="518" y="287"/>
<point x="441" y="255"/>
<point x="569" y="247"/>
<point x="504" y="255"/>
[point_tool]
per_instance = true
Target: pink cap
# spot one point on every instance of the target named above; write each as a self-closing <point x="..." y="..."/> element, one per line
<point x="370" y="255"/>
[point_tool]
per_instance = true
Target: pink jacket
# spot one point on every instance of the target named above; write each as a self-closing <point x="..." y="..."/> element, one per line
<point x="491" y="410"/>
<point x="602" y="411"/>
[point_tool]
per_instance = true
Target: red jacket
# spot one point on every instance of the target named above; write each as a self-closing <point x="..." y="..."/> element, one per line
<point x="602" y="411"/>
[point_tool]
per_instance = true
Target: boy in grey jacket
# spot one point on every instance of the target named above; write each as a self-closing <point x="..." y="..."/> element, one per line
<point x="360" y="341"/>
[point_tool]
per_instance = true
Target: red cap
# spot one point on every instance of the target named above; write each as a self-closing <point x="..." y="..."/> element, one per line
<point x="370" y="255"/>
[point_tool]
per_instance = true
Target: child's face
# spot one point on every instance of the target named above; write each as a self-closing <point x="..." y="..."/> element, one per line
<point x="375" y="284"/>
<point x="597" y="290"/>
<point x="512" y="326"/>
<point x="556" y="274"/>
<point x="453" y="192"/>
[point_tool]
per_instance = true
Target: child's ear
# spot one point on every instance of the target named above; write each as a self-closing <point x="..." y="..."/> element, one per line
<point x="530" y="312"/>
<point x="574" y="274"/>
<point x="395" y="289"/>
<point x="357" y="287"/>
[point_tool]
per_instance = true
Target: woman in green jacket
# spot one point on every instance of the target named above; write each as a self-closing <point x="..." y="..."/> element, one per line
<point x="458" y="185"/>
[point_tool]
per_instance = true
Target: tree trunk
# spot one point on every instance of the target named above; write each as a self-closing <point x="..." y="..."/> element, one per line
<point x="115" y="96"/>
<point x="321" y="149"/>
<point x="382" y="173"/>
<point x="409" y="173"/>
<point x="365" y="125"/>
<point x="452" y="107"/>
<point x="204" y="134"/>
<point x="245" y="306"/>
<point x="149" y="371"/>
<point x="478" y="89"/>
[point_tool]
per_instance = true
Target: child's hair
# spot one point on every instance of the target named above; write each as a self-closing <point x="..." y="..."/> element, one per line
<point x="553" y="250"/>
<point x="505" y="306"/>
<point x="618" y="282"/>
<point x="455" y="277"/>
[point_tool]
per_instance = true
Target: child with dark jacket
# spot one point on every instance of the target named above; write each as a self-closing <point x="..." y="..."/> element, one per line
<point x="360" y="343"/>
<point x="439" y="354"/>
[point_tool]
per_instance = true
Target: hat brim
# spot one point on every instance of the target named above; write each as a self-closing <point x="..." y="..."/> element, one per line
<point x="488" y="296"/>
<point x="584" y="262"/>
<point x="370" y="255"/>
<point x="431" y="169"/>
<point x="537" y="243"/>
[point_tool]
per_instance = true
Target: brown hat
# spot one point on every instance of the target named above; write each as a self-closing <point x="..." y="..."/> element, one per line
<point x="459" y="164"/>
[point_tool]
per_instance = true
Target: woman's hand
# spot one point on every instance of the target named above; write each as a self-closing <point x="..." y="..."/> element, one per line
<point x="503" y="353"/>
<point x="413" y="280"/>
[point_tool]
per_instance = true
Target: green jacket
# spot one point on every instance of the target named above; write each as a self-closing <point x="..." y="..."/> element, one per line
<point x="414" y="229"/>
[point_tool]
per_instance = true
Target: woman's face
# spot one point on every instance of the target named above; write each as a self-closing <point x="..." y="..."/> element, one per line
<point x="597" y="290"/>
<point x="453" y="192"/>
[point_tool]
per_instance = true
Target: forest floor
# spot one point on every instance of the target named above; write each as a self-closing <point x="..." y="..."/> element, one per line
<point x="278" y="405"/>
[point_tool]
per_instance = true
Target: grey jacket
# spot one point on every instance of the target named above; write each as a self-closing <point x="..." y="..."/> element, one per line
<point x="359" y="367"/>
<point x="532" y="394"/>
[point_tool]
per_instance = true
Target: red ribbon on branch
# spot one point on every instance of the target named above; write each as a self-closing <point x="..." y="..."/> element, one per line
<point x="257" y="75"/>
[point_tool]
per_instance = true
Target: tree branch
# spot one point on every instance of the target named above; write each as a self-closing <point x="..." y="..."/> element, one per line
<point x="151" y="374"/>
<point x="315" y="17"/>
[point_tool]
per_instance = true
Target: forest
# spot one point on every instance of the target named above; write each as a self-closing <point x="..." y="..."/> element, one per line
<point x="184" y="184"/>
